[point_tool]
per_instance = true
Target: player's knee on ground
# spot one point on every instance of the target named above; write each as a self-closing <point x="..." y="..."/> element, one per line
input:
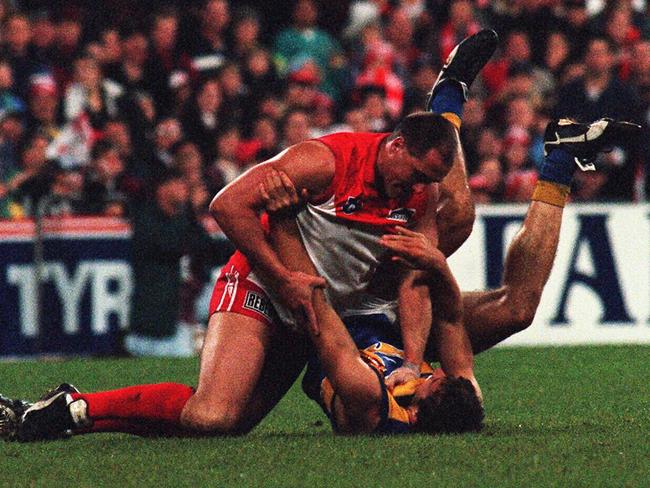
<point x="210" y="418"/>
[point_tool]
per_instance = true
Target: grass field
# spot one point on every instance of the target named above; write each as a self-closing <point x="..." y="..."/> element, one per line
<point x="566" y="417"/>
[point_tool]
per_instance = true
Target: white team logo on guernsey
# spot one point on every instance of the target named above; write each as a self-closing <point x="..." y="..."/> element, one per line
<point x="230" y="290"/>
<point x="401" y="214"/>
<point x="353" y="204"/>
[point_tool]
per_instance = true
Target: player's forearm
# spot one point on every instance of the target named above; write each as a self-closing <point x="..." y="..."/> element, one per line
<point x="337" y="351"/>
<point x="448" y="331"/>
<point x="414" y="316"/>
<point x="242" y="227"/>
<point x="454" y="349"/>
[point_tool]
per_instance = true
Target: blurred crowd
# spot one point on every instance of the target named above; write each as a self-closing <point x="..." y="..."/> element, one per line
<point x="94" y="114"/>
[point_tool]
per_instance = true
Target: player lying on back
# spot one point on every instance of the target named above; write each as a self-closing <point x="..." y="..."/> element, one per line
<point x="352" y="380"/>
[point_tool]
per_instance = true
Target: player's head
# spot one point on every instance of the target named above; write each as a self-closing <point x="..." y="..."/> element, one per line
<point x="421" y="150"/>
<point x="448" y="405"/>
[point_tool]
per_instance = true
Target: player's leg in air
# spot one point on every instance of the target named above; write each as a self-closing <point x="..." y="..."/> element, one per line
<point x="492" y="316"/>
<point x="248" y="363"/>
<point x="447" y="97"/>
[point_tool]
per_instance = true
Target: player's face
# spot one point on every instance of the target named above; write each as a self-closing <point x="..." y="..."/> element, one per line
<point x="427" y="388"/>
<point x="404" y="173"/>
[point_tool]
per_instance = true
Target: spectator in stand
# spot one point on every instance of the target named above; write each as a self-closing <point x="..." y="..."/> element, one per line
<point x="130" y="71"/>
<point x="165" y="57"/>
<point x="43" y="100"/>
<point x="16" y="39"/>
<point x="374" y="108"/>
<point x="105" y="182"/>
<point x="164" y="230"/>
<point x="189" y="161"/>
<point x="422" y="78"/>
<point x="322" y="118"/>
<point x="557" y="57"/>
<point x="487" y="184"/>
<point x="234" y="92"/>
<point x="202" y="117"/>
<point x="399" y="33"/>
<point x="64" y="197"/>
<point x="461" y="23"/>
<point x="209" y="48"/>
<point x="516" y="51"/>
<point x="168" y="134"/>
<point x="67" y="46"/>
<point x="25" y="188"/>
<point x="245" y="34"/>
<point x="116" y="133"/>
<point x="355" y="120"/>
<point x="107" y="48"/>
<point x="43" y="36"/>
<point x="261" y="79"/>
<point x="295" y="128"/>
<point x="225" y="167"/>
<point x="11" y="135"/>
<point x="577" y="26"/>
<point x="304" y="40"/>
<point x="377" y="72"/>
<point x="9" y="101"/>
<point x="490" y="145"/>
<point x="91" y="94"/>
<point x="302" y="87"/>
<point x="522" y="83"/>
<point x="520" y="176"/>
<point x="623" y="34"/>
<point x="272" y="105"/>
<point x="265" y="132"/>
<point x="180" y="91"/>
<point x="640" y="76"/>
<point x="599" y="93"/>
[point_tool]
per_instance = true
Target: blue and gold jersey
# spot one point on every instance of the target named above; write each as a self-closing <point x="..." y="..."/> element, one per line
<point x="379" y="345"/>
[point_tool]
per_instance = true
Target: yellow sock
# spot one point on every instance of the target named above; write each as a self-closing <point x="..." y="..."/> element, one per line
<point x="551" y="193"/>
<point x="453" y="118"/>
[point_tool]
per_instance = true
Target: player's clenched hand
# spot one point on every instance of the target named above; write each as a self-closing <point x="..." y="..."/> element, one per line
<point x="402" y="375"/>
<point x="298" y="293"/>
<point x="278" y="193"/>
<point x="413" y="249"/>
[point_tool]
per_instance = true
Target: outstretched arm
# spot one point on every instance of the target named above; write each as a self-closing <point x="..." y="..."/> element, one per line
<point x="414" y="304"/>
<point x="355" y="383"/>
<point x="454" y="350"/>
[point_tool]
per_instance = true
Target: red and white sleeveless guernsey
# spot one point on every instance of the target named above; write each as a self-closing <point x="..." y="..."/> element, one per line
<point x="341" y="230"/>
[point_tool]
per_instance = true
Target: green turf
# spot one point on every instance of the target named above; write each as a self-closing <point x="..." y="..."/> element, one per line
<point x="566" y="417"/>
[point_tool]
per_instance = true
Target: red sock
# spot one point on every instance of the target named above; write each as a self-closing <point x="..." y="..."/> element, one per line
<point x="161" y="402"/>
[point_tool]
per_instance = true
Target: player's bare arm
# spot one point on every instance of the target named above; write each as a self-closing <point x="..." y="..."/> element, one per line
<point x="448" y="332"/>
<point x="414" y="305"/>
<point x="236" y="209"/>
<point x="358" y="390"/>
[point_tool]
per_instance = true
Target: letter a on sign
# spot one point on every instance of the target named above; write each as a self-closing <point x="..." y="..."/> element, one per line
<point x="604" y="281"/>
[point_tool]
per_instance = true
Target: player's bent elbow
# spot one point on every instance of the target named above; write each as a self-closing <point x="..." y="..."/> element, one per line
<point x="218" y="207"/>
<point x="522" y="312"/>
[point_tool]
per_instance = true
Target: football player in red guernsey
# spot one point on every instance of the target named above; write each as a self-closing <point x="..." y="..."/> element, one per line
<point x="356" y="379"/>
<point x="361" y="186"/>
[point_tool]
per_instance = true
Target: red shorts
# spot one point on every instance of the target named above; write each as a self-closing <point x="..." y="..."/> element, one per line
<point x="234" y="292"/>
